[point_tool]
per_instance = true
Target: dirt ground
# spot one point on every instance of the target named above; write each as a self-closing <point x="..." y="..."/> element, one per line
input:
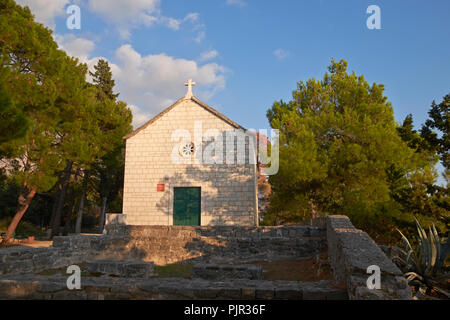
<point x="306" y="269"/>
<point x="34" y="244"/>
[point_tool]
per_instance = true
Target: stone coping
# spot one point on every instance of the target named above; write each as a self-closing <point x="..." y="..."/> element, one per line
<point x="351" y="252"/>
<point x="227" y="271"/>
<point x="99" y="288"/>
<point x="124" y="269"/>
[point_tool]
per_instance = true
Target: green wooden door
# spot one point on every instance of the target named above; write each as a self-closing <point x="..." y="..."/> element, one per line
<point x="186" y="206"/>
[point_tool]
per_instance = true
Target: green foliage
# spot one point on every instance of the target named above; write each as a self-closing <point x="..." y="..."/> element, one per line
<point x="174" y="271"/>
<point x="109" y="168"/>
<point x="8" y="196"/>
<point x="417" y="193"/>
<point x="13" y="122"/>
<point x="40" y="81"/>
<point x="24" y="229"/>
<point x="425" y="264"/>
<point x="102" y="78"/>
<point x="338" y="137"/>
<point x="56" y="117"/>
<point x="439" y="120"/>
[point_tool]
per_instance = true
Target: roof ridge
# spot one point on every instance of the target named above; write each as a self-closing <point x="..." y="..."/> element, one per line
<point x="196" y="100"/>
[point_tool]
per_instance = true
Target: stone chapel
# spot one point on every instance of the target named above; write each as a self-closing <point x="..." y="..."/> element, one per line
<point x="190" y="166"/>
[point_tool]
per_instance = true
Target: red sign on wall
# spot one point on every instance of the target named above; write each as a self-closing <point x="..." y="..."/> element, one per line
<point x="160" y="187"/>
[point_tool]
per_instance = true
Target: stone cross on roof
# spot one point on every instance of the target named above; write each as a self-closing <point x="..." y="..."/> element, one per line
<point x="189" y="84"/>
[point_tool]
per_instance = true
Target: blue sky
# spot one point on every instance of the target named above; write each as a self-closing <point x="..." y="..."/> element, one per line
<point x="246" y="54"/>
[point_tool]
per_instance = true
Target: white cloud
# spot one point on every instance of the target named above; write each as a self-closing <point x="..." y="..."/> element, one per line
<point x="76" y="47"/>
<point x="281" y="54"/>
<point x="82" y="48"/>
<point x="126" y="15"/>
<point x="139" y="116"/>
<point x="174" y="24"/>
<point x="208" y="55"/>
<point x="45" y="10"/>
<point x="153" y="82"/>
<point x="121" y="12"/>
<point x="201" y="35"/>
<point x="239" y="3"/>
<point x="192" y="17"/>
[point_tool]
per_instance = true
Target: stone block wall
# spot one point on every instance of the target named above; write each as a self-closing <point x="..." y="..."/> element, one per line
<point x="124" y="269"/>
<point x="351" y="252"/>
<point x="167" y="245"/>
<point x="64" y="252"/>
<point x="55" y="288"/>
<point x="220" y="272"/>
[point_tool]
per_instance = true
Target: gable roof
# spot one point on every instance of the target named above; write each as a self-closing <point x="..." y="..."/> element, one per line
<point x="201" y="104"/>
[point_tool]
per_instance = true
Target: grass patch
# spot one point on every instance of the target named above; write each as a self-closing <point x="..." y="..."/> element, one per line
<point x="174" y="271"/>
<point x="306" y="269"/>
<point x="53" y="272"/>
<point x="23" y="230"/>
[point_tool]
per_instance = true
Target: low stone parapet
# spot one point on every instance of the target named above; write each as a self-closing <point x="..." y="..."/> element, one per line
<point x="20" y="260"/>
<point x="224" y="272"/>
<point x="99" y="288"/>
<point x="172" y="244"/>
<point x="351" y="252"/>
<point x="115" y="219"/>
<point x="168" y="245"/>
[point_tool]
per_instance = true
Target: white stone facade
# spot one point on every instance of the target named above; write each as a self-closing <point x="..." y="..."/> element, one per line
<point x="228" y="191"/>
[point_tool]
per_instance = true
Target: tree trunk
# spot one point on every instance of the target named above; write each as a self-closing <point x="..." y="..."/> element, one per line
<point x="69" y="214"/>
<point x="102" y="215"/>
<point x="312" y="207"/>
<point x="23" y="204"/>
<point x="55" y="205"/>
<point x="80" y="213"/>
<point x="81" y="205"/>
<point x="56" y="223"/>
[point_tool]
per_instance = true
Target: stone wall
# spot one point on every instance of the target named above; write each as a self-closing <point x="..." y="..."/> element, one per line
<point x="123" y="269"/>
<point x="221" y="272"/>
<point x="351" y="252"/>
<point x="32" y="287"/>
<point x="67" y="251"/>
<point x="228" y="192"/>
<point x="167" y="245"/>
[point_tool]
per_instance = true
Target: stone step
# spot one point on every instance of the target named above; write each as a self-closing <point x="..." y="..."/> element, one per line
<point x="124" y="269"/>
<point x="95" y="288"/>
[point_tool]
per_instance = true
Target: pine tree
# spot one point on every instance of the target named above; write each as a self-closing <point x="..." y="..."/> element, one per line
<point x="102" y="78"/>
<point x="49" y="87"/>
<point x="337" y="138"/>
<point x="439" y="120"/>
<point x="109" y="168"/>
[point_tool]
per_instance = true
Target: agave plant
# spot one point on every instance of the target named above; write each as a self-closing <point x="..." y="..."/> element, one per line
<point x="425" y="264"/>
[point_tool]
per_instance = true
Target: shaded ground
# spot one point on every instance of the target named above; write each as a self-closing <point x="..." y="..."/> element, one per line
<point x="26" y="243"/>
<point x="36" y="244"/>
<point x="169" y="271"/>
<point x="174" y="271"/>
<point x="295" y="270"/>
<point x="305" y="269"/>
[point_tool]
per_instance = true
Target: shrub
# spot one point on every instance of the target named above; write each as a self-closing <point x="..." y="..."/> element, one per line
<point x="424" y="265"/>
